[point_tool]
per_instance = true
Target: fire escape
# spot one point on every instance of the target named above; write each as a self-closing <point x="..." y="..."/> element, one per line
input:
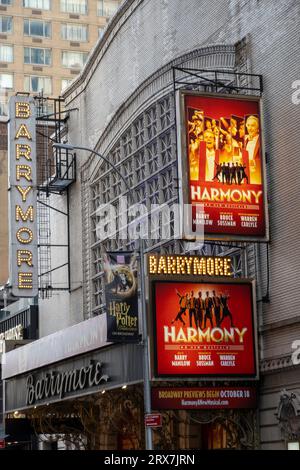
<point x="56" y="170"/>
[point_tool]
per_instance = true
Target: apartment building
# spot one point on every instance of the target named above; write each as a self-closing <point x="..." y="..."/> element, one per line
<point x="45" y="43"/>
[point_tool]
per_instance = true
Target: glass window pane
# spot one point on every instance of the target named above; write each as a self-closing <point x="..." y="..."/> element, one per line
<point x="6" y="80"/>
<point x="47" y="32"/>
<point x="37" y="28"/>
<point x="6" y="53"/>
<point x="47" y="57"/>
<point x="106" y="8"/>
<point x="5" y="2"/>
<point x="65" y="83"/>
<point x="40" y="4"/>
<point x="74" y="6"/>
<point x="73" y="59"/>
<point x="26" y="55"/>
<point x="74" y="32"/>
<point x="101" y="30"/>
<point x="6" y="24"/>
<point x="35" y="84"/>
<point x="3" y="106"/>
<point x="35" y="55"/>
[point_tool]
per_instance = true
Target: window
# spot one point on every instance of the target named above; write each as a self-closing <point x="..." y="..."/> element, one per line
<point x="34" y="84"/>
<point x="74" y="32"/>
<point x="101" y="30"/>
<point x="6" y="53"/>
<point x="74" y="6"/>
<point x="3" y="106"/>
<point x="65" y="83"/>
<point x="293" y="446"/>
<point x="37" y="28"/>
<point x="106" y="8"/>
<point x="39" y="4"/>
<point x="6" y="81"/>
<point x="6" y="24"/>
<point x="36" y="55"/>
<point x="5" y="2"/>
<point x="74" y="59"/>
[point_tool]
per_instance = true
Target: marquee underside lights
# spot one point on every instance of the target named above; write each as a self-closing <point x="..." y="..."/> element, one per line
<point x="22" y="197"/>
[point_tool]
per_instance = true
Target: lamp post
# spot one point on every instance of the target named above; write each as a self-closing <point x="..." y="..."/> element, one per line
<point x="146" y="370"/>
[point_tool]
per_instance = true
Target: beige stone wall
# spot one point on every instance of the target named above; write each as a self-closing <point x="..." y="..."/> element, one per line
<point x="56" y="71"/>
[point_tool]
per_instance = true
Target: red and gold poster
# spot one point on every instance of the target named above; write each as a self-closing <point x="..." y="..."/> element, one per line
<point x="222" y="167"/>
<point x="203" y="329"/>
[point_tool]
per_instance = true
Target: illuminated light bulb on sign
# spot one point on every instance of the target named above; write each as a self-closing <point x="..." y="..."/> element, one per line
<point x="23" y="132"/>
<point x="23" y="150"/>
<point x="22" y="195"/>
<point x="23" y="171"/>
<point x="24" y="256"/>
<point x="20" y="214"/>
<point x="25" y="280"/>
<point x="22" y="110"/>
<point x="189" y="265"/>
<point x="21" y="231"/>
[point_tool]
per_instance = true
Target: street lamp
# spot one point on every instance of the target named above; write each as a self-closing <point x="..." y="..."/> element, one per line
<point x="147" y="388"/>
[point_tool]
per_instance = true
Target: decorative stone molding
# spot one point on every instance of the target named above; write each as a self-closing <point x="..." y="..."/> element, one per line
<point x="274" y="364"/>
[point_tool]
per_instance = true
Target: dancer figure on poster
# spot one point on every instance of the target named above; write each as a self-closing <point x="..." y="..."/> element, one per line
<point x="183" y="304"/>
<point x="225" y="309"/>
<point x="192" y="309"/>
<point x="208" y="302"/>
<point x="200" y="307"/>
<point x="217" y="308"/>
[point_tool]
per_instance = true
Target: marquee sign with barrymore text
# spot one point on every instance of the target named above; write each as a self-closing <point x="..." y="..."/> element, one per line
<point x="57" y="384"/>
<point x="22" y="197"/>
<point x="172" y="265"/>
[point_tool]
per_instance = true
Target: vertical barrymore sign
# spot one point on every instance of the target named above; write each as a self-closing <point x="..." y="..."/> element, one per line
<point x="22" y="197"/>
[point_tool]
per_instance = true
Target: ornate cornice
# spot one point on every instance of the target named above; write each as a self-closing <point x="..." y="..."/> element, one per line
<point x="276" y="363"/>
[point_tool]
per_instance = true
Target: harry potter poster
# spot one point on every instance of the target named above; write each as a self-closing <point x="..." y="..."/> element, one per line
<point x="121" y="296"/>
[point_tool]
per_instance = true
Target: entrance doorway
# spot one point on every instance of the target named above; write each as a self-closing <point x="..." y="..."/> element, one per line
<point x="215" y="436"/>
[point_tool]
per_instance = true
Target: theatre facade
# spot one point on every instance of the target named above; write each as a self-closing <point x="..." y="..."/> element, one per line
<point x="75" y="389"/>
<point x="192" y="126"/>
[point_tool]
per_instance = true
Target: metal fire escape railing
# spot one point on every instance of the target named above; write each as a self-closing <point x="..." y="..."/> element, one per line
<point x="56" y="171"/>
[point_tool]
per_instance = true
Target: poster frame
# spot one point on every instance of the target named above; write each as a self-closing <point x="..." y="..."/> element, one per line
<point x="183" y="170"/>
<point x="155" y="376"/>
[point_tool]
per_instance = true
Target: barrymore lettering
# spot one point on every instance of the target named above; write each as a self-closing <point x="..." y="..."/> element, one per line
<point x="61" y="383"/>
